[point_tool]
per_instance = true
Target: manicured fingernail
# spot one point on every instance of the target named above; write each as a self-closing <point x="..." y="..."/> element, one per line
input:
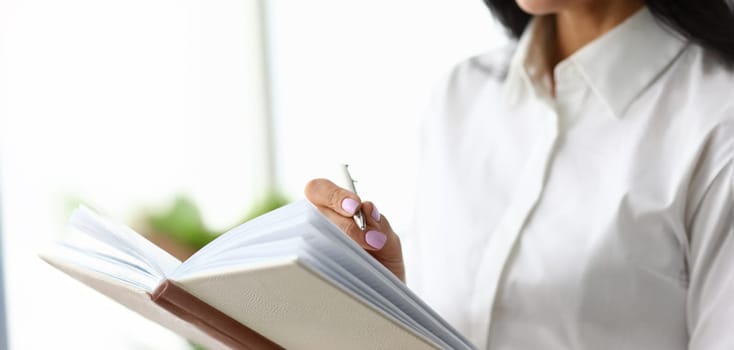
<point x="350" y="205"/>
<point x="375" y="213"/>
<point x="375" y="239"/>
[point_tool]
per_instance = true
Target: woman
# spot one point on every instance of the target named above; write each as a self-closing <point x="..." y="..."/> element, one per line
<point x="579" y="186"/>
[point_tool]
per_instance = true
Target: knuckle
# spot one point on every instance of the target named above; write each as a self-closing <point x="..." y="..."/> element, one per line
<point x="334" y="197"/>
<point x="385" y="222"/>
<point x="398" y="244"/>
<point x="391" y="259"/>
<point x="311" y="187"/>
<point x="315" y="188"/>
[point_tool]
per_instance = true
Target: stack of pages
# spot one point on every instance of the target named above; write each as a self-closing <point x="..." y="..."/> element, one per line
<point x="288" y="279"/>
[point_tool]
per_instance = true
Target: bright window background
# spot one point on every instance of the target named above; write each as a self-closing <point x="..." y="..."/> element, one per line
<point x="122" y="104"/>
<point x="351" y="79"/>
<point x="126" y="103"/>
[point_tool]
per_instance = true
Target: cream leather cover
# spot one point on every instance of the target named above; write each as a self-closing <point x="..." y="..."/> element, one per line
<point x="288" y="303"/>
<point x="136" y="300"/>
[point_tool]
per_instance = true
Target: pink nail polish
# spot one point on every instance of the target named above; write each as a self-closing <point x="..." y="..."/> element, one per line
<point x="375" y="213"/>
<point x="375" y="239"/>
<point x="350" y="205"/>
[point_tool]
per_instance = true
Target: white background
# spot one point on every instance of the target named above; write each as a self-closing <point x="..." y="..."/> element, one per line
<point x="351" y="79"/>
<point x="124" y="104"/>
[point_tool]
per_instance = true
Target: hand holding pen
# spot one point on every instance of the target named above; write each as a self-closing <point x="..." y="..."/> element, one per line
<point x="346" y="210"/>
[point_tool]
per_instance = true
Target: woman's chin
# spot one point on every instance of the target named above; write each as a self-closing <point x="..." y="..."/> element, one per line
<point x="541" y="7"/>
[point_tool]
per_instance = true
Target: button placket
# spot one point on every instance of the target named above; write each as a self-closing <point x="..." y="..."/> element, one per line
<point x="499" y="247"/>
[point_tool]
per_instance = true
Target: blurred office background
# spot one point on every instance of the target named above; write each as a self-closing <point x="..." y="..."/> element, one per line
<point x="125" y="105"/>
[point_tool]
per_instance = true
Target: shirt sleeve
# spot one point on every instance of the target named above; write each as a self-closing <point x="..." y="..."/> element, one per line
<point x="412" y="242"/>
<point x="710" y="306"/>
<point x="428" y="127"/>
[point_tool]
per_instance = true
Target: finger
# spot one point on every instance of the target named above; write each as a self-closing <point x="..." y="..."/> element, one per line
<point x="324" y="193"/>
<point x="347" y="225"/>
<point x="370" y="210"/>
<point x="384" y="238"/>
<point x="391" y="253"/>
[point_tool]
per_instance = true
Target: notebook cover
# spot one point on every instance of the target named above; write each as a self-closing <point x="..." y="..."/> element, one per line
<point x="289" y="303"/>
<point x="208" y="319"/>
<point x="283" y="301"/>
<point x="138" y="301"/>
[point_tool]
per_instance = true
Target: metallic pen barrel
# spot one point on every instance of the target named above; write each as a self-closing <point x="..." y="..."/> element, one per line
<point x="358" y="216"/>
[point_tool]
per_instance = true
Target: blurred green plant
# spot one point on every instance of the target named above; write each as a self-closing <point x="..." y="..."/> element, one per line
<point x="196" y="347"/>
<point x="272" y="200"/>
<point x="184" y="224"/>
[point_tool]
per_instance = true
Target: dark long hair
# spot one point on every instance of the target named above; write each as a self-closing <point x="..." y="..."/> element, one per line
<point x="709" y="23"/>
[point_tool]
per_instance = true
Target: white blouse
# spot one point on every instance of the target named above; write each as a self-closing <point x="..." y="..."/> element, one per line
<point x="602" y="218"/>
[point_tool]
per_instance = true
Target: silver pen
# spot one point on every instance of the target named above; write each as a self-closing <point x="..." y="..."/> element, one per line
<point x="358" y="216"/>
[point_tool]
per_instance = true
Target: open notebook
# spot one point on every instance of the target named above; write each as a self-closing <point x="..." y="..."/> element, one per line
<point x="288" y="279"/>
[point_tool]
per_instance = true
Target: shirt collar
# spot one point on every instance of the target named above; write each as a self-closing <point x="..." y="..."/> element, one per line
<point x="617" y="66"/>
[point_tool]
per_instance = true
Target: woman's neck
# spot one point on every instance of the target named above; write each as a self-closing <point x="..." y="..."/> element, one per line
<point x="578" y="26"/>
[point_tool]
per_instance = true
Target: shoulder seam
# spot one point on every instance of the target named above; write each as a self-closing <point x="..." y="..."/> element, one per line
<point x="494" y="63"/>
<point x="496" y="72"/>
